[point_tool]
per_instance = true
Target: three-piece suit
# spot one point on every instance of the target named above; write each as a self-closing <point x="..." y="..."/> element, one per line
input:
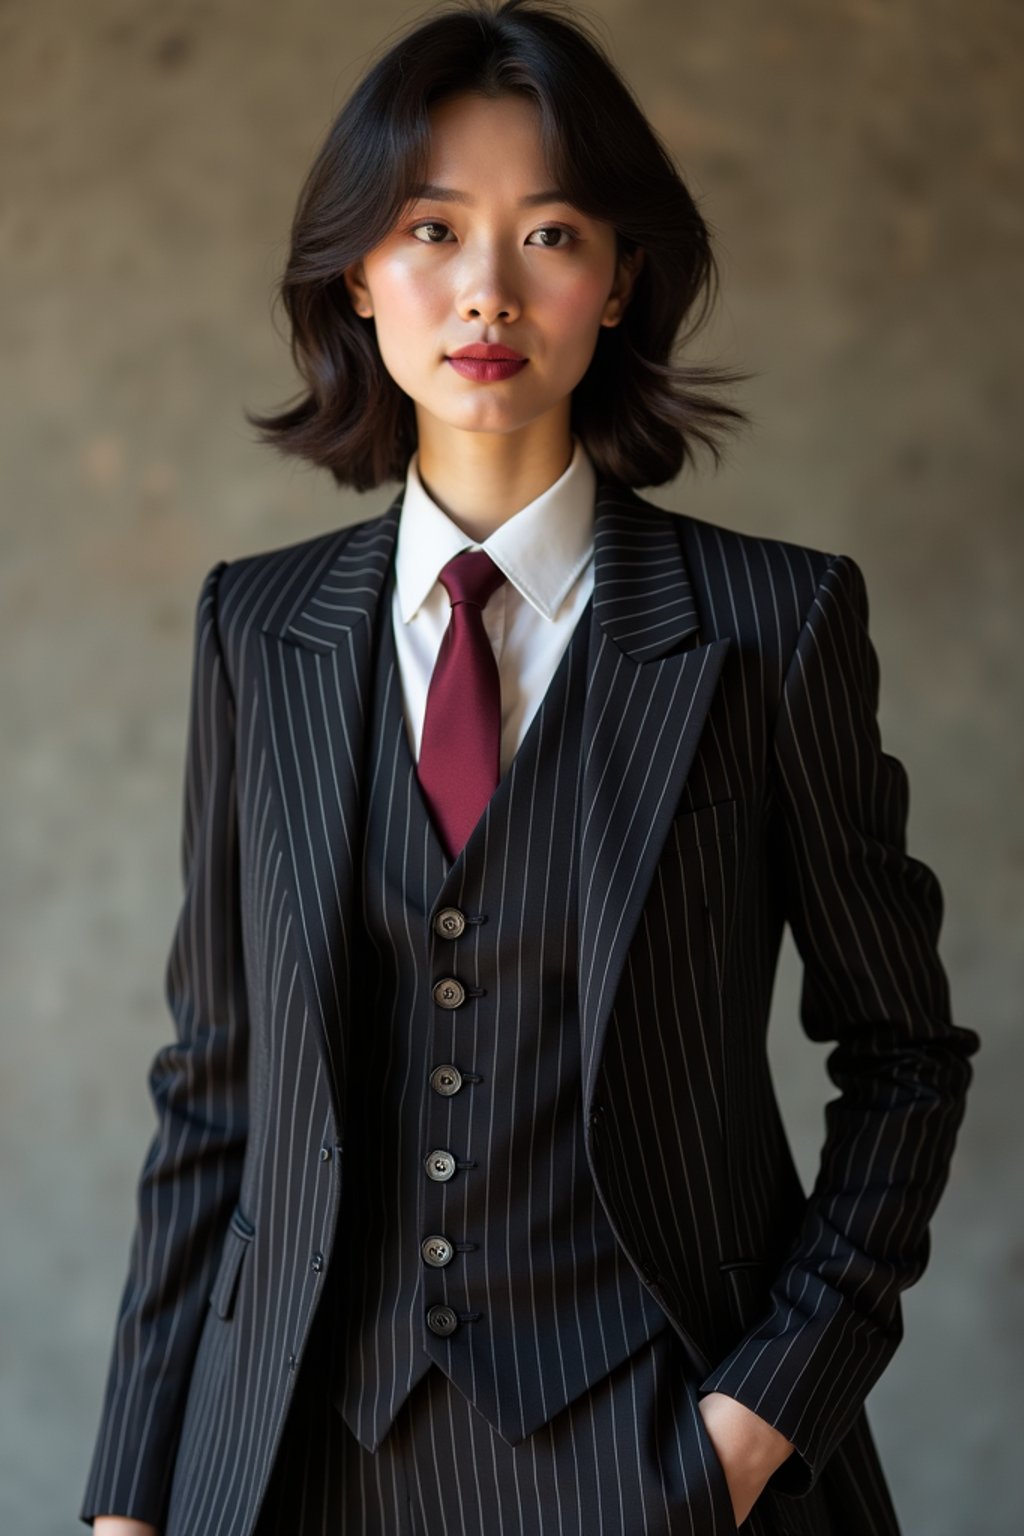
<point x="469" y="1176"/>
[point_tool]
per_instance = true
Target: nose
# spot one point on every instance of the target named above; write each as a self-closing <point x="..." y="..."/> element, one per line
<point x="486" y="293"/>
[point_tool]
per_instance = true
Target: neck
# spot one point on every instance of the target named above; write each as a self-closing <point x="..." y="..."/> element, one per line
<point x="481" y="479"/>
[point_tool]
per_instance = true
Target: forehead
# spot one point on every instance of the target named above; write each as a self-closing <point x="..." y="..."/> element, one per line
<point x="491" y="141"/>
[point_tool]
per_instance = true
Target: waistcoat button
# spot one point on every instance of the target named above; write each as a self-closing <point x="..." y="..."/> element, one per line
<point x="441" y="1319"/>
<point x="440" y="1165"/>
<point x="449" y="993"/>
<point x="446" y="1079"/>
<point x="437" y="1251"/>
<point x="449" y="923"/>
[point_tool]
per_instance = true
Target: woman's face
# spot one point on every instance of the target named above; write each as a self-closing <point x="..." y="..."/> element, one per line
<point x="497" y="264"/>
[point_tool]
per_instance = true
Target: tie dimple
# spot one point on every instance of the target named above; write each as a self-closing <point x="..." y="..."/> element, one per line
<point x="459" y="759"/>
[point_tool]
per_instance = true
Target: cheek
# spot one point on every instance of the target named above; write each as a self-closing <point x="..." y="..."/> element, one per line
<point x="404" y="294"/>
<point x="576" y="306"/>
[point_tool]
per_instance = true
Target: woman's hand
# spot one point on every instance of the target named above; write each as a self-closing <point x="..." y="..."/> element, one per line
<point x="121" y="1525"/>
<point x="749" y="1448"/>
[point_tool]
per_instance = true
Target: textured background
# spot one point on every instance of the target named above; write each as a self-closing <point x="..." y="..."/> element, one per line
<point x="860" y="165"/>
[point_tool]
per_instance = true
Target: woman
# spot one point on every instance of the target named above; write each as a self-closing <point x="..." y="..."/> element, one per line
<point x="470" y="1207"/>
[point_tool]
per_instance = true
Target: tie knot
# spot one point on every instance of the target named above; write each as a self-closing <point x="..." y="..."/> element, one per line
<point x="471" y="576"/>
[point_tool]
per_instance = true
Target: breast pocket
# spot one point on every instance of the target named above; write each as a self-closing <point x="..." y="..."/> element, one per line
<point x="237" y="1242"/>
<point x="708" y="825"/>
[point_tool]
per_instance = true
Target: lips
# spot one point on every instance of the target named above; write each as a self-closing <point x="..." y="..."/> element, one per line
<point x="486" y="365"/>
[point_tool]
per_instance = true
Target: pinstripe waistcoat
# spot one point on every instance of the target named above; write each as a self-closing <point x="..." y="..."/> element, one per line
<point x="542" y="1298"/>
<point x="730" y="779"/>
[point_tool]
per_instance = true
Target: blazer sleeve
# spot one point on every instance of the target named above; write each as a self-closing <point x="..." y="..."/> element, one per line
<point x="191" y="1174"/>
<point x="865" y="917"/>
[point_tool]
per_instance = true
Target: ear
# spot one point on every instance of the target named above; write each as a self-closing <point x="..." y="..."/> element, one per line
<point x="355" y="281"/>
<point x="626" y="275"/>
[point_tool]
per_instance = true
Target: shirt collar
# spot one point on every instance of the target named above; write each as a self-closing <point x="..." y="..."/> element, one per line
<point x="542" y="548"/>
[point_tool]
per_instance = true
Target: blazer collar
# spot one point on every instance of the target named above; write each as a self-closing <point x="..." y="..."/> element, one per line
<point x="643" y="596"/>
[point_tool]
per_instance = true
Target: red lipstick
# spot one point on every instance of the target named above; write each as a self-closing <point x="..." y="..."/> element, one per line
<point x="486" y="362"/>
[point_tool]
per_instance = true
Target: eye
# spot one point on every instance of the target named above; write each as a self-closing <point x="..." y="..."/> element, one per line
<point x="545" y="229"/>
<point x="429" y="224"/>
<point x="556" y="229"/>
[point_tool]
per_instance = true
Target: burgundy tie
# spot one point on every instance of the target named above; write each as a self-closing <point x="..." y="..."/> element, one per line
<point x="460" y="747"/>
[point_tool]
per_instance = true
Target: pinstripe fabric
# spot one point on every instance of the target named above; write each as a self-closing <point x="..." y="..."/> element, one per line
<point x="732" y="779"/>
<point x="547" y="1301"/>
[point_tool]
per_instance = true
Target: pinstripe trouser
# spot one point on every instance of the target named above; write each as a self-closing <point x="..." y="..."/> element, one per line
<point x="629" y="1457"/>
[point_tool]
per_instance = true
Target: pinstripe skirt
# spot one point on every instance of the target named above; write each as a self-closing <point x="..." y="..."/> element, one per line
<point x="628" y="1457"/>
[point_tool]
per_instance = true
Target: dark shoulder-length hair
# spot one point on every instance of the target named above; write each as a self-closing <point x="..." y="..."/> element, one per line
<point x="638" y="411"/>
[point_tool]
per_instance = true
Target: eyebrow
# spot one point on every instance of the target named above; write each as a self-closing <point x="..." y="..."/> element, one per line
<point x="429" y="189"/>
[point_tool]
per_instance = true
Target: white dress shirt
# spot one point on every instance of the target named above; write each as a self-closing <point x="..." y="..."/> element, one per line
<point x="546" y="551"/>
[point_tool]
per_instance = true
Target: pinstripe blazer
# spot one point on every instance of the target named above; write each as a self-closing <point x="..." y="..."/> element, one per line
<point x="732" y="780"/>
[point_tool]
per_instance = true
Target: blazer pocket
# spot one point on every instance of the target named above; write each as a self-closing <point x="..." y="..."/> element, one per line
<point x="237" y="1241"/>
<point x="708" y="825"/>
<point x="749" y="1283"/>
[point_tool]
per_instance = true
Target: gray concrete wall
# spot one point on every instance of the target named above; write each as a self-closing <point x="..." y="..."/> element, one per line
<point x="860" y="163"/>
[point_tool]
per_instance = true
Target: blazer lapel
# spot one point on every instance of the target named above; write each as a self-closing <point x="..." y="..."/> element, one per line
<point x="318" y="668"/>
<point x="650" y="684"/>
